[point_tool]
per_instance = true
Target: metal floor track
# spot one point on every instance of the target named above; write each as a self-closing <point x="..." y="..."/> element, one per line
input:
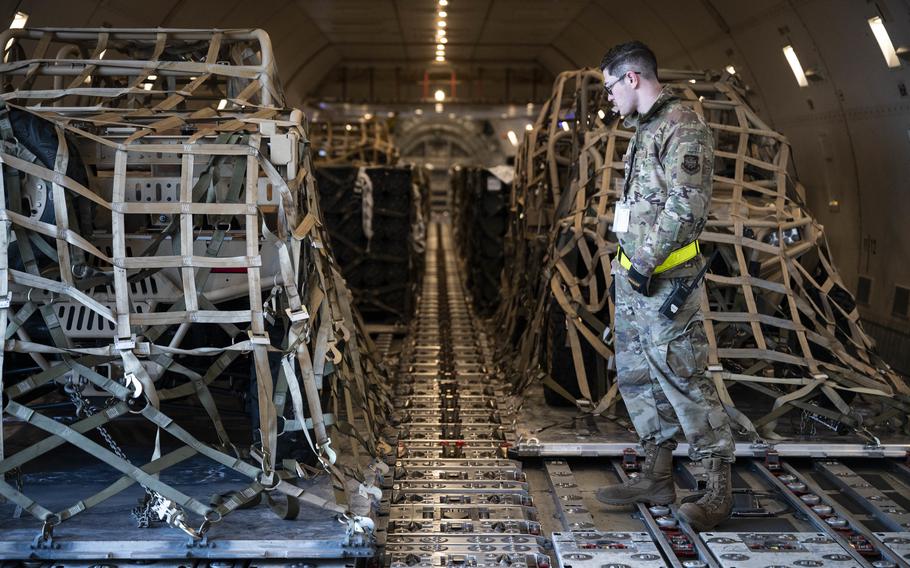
<point x="456" y="499"/>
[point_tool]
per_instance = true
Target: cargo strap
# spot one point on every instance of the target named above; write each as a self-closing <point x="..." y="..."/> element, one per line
<point x="679" y="256"/>
<point x="559" y="247"/>
<point x="227" y="189"/>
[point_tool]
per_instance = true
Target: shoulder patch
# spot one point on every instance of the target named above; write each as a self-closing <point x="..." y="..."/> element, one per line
<point x="691" y="163"/>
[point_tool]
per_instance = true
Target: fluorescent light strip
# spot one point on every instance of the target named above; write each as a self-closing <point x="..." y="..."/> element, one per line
<point x="512" y="138"/>
<point x="793" y="60"/>
<point x="884" y="42"/>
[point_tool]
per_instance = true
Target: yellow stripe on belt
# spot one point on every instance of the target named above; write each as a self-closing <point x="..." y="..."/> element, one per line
<point x="677" y="257"/>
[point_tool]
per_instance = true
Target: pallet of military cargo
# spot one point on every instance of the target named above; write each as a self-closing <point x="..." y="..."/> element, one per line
<point x="181" y="351"/>
<point x="481" y="198"/>
<point x="787" y="354"/>
<point x="376" y="223"/>
<point x="361" y="143"/>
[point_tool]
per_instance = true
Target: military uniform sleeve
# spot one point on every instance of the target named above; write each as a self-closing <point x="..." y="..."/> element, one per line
<point x="688" y="163"/>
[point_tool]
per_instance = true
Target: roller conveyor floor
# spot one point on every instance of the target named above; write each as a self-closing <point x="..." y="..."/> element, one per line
<point x="456" y="498"/>
<point x="461" y="497"/>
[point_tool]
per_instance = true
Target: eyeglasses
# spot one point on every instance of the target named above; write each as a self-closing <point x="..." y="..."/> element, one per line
<point x="609" y="88"/>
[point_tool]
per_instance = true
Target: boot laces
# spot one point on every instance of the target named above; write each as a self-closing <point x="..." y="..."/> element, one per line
<point x="715" y="492"/>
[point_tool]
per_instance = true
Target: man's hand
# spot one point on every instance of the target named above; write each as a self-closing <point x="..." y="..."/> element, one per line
<point x="639" y="282"/>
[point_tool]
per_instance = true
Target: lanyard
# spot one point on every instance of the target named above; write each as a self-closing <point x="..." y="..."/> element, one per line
<point x="630" y="168"/>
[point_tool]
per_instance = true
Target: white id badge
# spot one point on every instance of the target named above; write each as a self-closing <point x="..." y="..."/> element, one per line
<point x="621" y="216"/>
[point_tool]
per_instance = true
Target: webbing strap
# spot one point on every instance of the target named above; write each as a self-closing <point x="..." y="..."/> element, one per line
<point x="151" y="468"/>
<point x="11" y="494"/>
<point x="172" y="428"/>
<point x="4" y="276"/>
<point x="40" y="448"/>
<point x="82" y="442"/>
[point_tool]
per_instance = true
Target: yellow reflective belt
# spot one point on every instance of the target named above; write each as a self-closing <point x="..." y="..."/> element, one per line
<point x="677" y="257"/>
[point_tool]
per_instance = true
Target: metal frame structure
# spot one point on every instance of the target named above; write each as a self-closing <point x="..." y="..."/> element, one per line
<point x="192" y="235"/>
<point x="780" y="322"/>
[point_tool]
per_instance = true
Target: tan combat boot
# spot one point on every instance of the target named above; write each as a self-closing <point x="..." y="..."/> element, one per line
<point x="716" y="504"/>
<point x="654" y="484"/>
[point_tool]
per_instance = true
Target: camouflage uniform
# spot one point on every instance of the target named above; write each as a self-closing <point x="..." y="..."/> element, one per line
<point x="661" y="363"/>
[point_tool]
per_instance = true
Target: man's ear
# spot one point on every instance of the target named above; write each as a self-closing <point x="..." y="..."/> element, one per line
<point x="636" y="80"/>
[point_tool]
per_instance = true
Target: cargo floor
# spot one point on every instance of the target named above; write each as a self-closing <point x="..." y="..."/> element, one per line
<point x="110" y="531"/>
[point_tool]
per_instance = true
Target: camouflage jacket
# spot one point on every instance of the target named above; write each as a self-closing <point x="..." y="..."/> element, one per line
<point x="668" y="171"/>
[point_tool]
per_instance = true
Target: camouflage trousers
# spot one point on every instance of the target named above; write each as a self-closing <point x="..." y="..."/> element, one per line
<point x="661" y="370"/>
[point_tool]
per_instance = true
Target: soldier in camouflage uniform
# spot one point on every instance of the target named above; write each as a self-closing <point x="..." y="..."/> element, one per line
<point x="661" y="362"/>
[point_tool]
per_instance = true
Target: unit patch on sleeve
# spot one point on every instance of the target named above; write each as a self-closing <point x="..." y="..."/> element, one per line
<point x="691" y="164"/>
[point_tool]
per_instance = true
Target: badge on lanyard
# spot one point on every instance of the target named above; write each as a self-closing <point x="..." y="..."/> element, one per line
<point x="621" y="216"/>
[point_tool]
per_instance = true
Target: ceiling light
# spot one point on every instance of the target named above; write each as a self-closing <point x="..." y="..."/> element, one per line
<point x="441" y="23"/>
<point x="601" y="114"/>
<point x="529" y="127"/>
<point x="418" y="111"/>
<point x="731" y="70"/>
<point x="152" y="78"/>
<point x="439" y="107"/>
<point x="440" y="46"/>
<point x="440" y="58"/>
<point x="390" y="114"/>
<point x="565" y="125"/>
<point x="147" y="86"/>
<point x="452" y="115"/>
<point x="443" y="40"/>
<point x="443" y="2"/>
<point x="443" y="13"/>
<point x="101" y="55"/>
<point x="692" y="81"/>
<point x="88" y="80"/>
<point x="441" y="33"/>
<point x="222" y="104"/>
<point x="795" y="66"/>
<point x="439" y="95"/>
<point x="884" y="42"/>
<point x="21" y="17"/>
<point x="348" y="127"/>
<point x="512" y="138"/>
<point x="367" y="116"/>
